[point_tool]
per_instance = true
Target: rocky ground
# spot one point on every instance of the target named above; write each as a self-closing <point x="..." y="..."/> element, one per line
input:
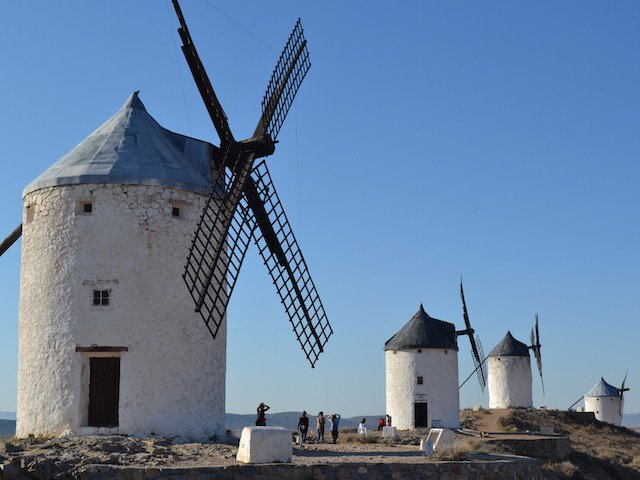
<point x="599" y="451"/>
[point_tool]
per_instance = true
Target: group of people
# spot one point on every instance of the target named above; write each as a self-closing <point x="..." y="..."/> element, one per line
<point x="321" y="423"/>
<point x="332" y="420"/>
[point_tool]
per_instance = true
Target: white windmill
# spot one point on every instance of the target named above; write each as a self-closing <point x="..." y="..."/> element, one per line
<point x="109" y="339"/>
<point x="606" y="401"/>
<point x="422" y="372"/>
<point x="509" y="371"/>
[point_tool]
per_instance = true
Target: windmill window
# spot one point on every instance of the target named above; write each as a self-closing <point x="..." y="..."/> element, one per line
<point x="87" y="208"/>
<point x="419" y="350"/>
<point x="30" y="213"/>
<point x="101" y="297"/>
<point x="420" y="380"/>
<point x="175" y="211"/>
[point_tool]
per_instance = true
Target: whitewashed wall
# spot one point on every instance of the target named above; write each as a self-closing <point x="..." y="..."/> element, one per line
<point x="172" y="379"/>
<point x="439" y="369"/>
<point x="510" y="382"/>
<point x="606" y="409"/>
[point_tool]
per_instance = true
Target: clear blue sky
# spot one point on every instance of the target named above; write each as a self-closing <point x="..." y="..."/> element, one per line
<point x="499" y="141"/>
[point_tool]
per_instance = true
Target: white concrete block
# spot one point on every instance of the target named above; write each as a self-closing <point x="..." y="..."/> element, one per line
<point x="265" y="445"/>
<point x="442" y="439"/>
<point x="389" y="432"/>
<point x="426" y="446"/>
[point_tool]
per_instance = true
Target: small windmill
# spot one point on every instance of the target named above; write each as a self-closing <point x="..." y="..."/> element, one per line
<point x="245" y="206"/>
<point x="536" y="347"/>
<point x="477" y="354"/>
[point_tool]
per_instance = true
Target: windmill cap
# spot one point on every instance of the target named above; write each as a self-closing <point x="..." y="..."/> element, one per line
<point x="510" y="347"/>
<point x="132" y="148"/>
<point x="423" y="331"/>
<point x="603" y="389"/>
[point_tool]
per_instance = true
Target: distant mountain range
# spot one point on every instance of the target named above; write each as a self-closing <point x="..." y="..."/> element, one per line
<point x="283" y="419"/>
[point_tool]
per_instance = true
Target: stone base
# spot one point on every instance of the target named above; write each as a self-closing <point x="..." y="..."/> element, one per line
<point x="265" y="445"/>
<point x="389" y="432"/>
<point x="441" y="438"/>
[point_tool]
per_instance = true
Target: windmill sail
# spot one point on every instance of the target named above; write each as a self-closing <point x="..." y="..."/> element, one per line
<point x="241" y="206"/>
<point x="11" y="239"/>
<point x="476" y="347"/>
<point x="289" y="271"/>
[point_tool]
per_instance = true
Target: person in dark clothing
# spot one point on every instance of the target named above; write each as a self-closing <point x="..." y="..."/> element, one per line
<point x="334" y="420"/>
<point x="303" y="426"/>
<point x="262" y="418"/>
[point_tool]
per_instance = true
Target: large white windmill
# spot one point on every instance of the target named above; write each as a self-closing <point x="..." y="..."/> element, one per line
<point x="109" y="339"/>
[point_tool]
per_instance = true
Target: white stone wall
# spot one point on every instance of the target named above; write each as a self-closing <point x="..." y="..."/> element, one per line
<point x="510" y="382"/>
<point x="439" y="370"/>
<point x="606" y="409"/>
<point x="172" y="379"/>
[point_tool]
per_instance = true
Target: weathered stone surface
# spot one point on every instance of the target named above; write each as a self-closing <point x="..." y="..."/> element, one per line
<point x="265" y="445"/>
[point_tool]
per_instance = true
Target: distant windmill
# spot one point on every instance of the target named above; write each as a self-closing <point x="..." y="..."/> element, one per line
<point x="510" y="383"/>
<point x="605" y="401"/>
<point x="245" y="206"/>
<point x="422" y="371"/>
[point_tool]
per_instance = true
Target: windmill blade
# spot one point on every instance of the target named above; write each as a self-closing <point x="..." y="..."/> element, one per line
<point x="208" y="261"/>
<point x="624" y="380"/>
<point x="285" y="81"/>
<point x="225" y="269"/>
<point x="478" y="357"/>
<point x="480" y="366"/>
<point x="11" y="239"/>
<point x="287" y="267"/>
<point x="211" y="102"/>
<point x="537" y="351"/>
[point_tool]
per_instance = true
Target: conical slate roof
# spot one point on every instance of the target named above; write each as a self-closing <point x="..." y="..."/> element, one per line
<point x="132" y="148"/>
<point x="603" y="389"/>
<point x="422" y="331"/>
<point x="510" y="347"/>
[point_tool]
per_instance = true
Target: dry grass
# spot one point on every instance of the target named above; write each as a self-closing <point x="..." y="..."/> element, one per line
<point x="452" y="455"/>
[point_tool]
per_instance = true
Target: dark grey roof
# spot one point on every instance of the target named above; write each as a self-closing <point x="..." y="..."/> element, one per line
<point x="422" y="331"/>
<point x="132" y="148"/>
<point x="510" y="347"/>
<point x="603" y="389"/>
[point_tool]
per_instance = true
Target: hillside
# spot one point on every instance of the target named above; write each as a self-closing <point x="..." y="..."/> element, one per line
<point x="600" y="451"/>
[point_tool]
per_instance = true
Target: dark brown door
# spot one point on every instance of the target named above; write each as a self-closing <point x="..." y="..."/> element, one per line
<point x="104" y="391"/>
<point x="421" y="415"/>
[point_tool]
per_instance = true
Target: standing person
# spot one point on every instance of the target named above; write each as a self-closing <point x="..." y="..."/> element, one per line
<point x="262" y="419"/>
<point x="388" y="420"/>
<point x="380" y="423"/>
<point x="303" y="426"/>
<point x="320" y="427"/>
<point x="334" y="420"/>
<point x="362" y="427"/>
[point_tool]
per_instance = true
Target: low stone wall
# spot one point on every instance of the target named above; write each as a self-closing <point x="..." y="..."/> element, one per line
<point x="524" y="469"/>
<point x="555" y="448"/>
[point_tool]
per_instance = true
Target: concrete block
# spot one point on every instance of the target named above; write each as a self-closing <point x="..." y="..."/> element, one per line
<point x="265" y="445"/>
<point x="426" y="446"/>
<point x="441" y="438"/>
<point x="389" y="432"/>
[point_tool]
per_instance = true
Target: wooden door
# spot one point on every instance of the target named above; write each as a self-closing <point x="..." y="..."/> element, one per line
<point x="104" y="391"/>
<point x="421" y="419"/>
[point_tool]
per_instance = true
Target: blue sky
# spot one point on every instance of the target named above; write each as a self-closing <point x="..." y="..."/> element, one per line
<point x="494" y="140"/>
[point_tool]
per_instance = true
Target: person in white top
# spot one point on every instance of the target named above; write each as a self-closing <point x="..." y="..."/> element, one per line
<point x="362" y="427"/>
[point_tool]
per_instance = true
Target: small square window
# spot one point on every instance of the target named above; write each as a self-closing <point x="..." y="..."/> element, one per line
<point x="420" y="381"/>
<point x="419" y="350"/>
<point x="87" y="207"/>
<point x="175" y="211"/>
<point x="101" y="297"/>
